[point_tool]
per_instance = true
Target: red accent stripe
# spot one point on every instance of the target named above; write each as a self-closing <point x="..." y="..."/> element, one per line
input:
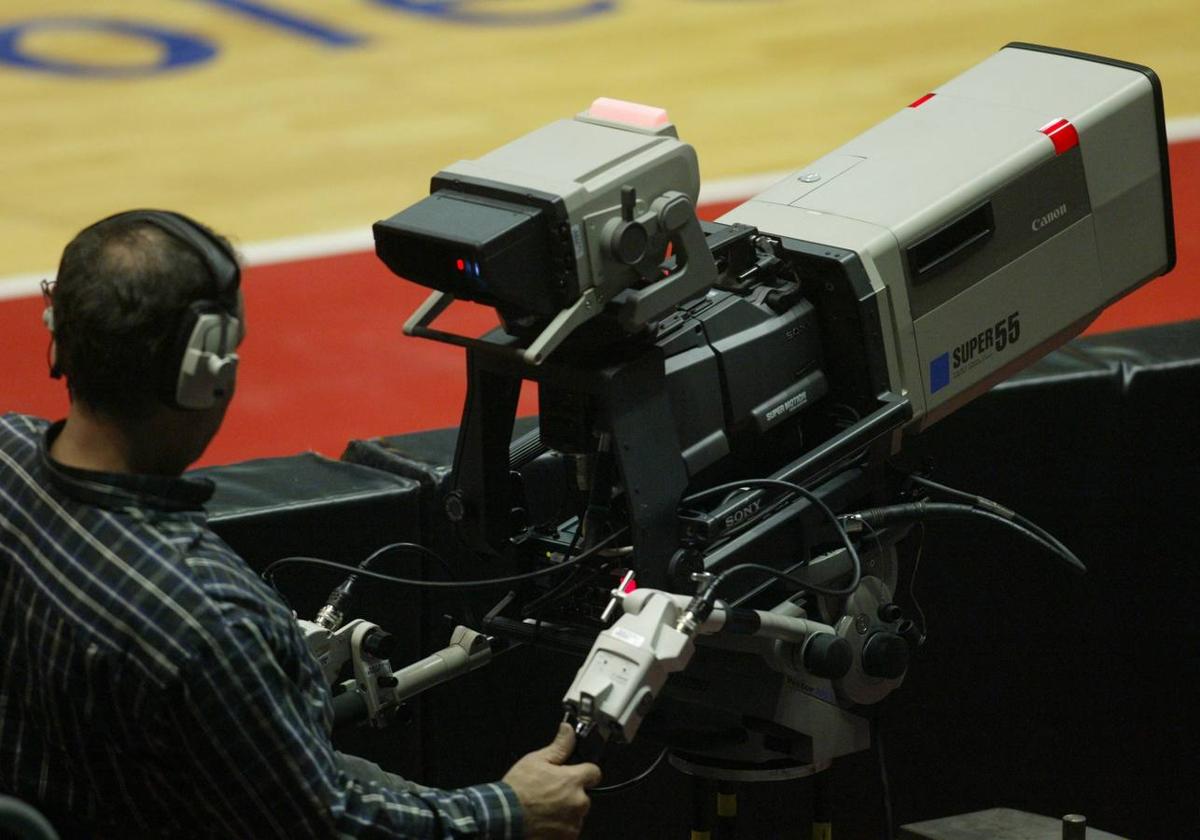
<point x="1063" y="135"/>
<point x="919" y="102"/>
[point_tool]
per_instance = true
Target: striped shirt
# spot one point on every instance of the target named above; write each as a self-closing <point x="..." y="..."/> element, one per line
<point x="152" y="685"/>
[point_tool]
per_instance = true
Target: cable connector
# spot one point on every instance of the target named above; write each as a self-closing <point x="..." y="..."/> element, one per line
<point x="331" y="615"/>
<point x="700" y="607"/>
<point x="853" y="523"/>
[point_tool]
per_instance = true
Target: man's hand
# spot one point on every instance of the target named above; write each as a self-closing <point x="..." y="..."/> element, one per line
<point x="551" y="793"/>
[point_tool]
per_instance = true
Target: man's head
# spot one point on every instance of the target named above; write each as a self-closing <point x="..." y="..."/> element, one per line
<point x="146" y="317"/>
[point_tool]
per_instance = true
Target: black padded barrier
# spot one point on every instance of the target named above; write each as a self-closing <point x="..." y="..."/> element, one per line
<point x="1038" y="689"/>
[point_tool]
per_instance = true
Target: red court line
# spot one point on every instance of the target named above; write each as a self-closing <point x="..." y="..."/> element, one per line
<point x="325" y="361"/>
<point x="1175" y="297"/>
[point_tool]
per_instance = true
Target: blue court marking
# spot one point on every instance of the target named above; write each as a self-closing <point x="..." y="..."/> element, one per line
<point x="487" y="13"/>
<point x="291" y="22"/>
<point x="179" y="49"/>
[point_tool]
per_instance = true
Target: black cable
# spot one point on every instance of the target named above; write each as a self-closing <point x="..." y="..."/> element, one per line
<point x="771" y="571"/>
<point x="768" y="509"/>
<point x="918" y="511"/>
<point x="777" y="483"/>
<point x="1001" y="510"/>
<point x="912" y="583"/>
<point x="709" y="593"/>
<point x="412" y="548"/>
<point x="875" y="535"/>
<point x="737" y="602"/>
<point x="565" y="587"/>
<point x="582" y="523"/>
<point x="628" y="783"/>
<point x="559" y="589"/>
<point x="269" y="572"/>
<point x="578" y="578"/>
<point x="342" y="596"/>
<point x="574" y="543"/>
<point x="468" y="612"/>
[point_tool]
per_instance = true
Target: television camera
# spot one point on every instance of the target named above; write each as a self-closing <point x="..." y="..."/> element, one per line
<point x="719" y="401"/>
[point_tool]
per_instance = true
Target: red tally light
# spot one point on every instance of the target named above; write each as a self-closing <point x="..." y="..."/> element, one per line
<point x="1062" y="134"/>
<point x="919" y="102"/>
<point x="630" y="586"/>
<point x="633" y="113"/>
<point x="461" y="264"/>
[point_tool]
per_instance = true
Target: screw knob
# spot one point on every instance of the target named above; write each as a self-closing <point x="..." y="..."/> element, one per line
<point x="379" y="644"/>
<point x="827" y="655"/>
<point x="885" y="655"/>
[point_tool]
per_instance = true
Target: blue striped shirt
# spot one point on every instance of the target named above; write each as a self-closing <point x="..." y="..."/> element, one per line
<point x="153" y="685"/>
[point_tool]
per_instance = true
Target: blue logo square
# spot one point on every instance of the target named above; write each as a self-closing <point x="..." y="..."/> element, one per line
<point x="939" y="373"/>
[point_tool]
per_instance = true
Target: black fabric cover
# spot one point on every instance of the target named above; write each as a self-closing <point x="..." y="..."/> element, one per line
<point x="1043" y="690"/>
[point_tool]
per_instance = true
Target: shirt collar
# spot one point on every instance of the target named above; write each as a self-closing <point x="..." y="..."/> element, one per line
<point x="121" y="490"/>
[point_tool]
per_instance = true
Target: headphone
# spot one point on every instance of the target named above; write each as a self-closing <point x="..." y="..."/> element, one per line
<point x="200" y="365"/>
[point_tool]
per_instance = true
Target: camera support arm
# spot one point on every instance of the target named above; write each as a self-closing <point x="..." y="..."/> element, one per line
<point x="374" y="689"/>
<point x="634" y="409"/>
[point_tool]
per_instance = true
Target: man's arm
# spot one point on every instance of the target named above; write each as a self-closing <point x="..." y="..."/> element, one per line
<point x="251" y="753"/>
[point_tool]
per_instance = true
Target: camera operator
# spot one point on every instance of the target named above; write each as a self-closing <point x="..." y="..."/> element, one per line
<point x="153" y="685"/>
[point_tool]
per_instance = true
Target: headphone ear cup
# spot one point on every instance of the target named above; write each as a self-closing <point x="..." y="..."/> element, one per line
<point x="52" y="350"/>
<point x="203" y="366"/>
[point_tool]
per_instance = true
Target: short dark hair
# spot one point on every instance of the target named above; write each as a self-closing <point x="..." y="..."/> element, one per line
<point x="122" y="290"/>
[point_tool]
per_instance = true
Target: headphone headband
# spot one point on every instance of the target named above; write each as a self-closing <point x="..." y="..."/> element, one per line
<point x="217" y="257"/>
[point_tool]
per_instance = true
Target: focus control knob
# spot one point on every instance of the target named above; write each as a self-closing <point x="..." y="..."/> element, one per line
<point x="627" y="239"/>
<point x="827" y="655"/>
<point x="889" y="613"/>
<point x="379" y="644"/>
<point x="628" y="242"/>
<point x="455" y="506"/>
<point x="885" y="655"/>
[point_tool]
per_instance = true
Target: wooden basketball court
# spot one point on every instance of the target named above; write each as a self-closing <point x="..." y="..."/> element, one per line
<point x="292" y="125"/>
